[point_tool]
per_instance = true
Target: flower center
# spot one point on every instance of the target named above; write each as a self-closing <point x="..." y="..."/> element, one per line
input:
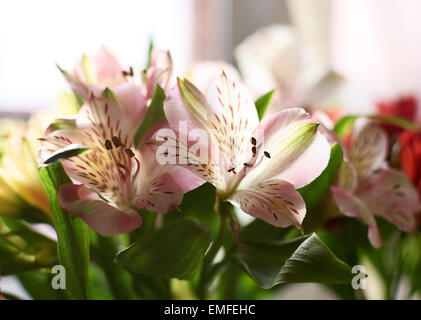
<point x="125" y="161"/>
<point x="238" y="176"/>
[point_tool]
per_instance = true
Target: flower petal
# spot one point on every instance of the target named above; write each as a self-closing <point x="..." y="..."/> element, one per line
<point x="232" y="103"/>
<point x="100" y="216"/>
<point x="347" y="178"/>
<point x="204" y="73"/>
<point x="353" y="207"/>
<point x="159" y="72"/>
<point x="82" y="88"/>
<point x="298" y="151"/>
<point x="274" y="201"/>
<point x="270" y="58"/>
<point x="185" y="103"/>
<point x="108" y="69"/>
<point x="102" y="168"/>
<point x="133" y="103"/>
<point x="389" y="194"/>
<point x="410" y="155"/>
<point x="309" y="164"/>
<point x="233" y="119"/>
<point x="368" y="147"/>
<point x="173" y="151"/>
<point x="185" y="179"/>
<point x="160" y="195"/>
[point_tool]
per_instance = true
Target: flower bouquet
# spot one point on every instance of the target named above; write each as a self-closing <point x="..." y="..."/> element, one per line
<point x="145" y="184"/>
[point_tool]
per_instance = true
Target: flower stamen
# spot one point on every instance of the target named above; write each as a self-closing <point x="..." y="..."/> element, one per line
<point x="108" y="145"/>
<point x="117" y="142"/>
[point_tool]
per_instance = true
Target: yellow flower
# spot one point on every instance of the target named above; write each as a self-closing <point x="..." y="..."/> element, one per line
<point x="20" y="187"/>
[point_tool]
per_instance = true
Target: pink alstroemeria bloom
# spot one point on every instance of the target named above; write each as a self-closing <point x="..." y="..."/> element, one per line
<point x="260" y="177"/>
<point x="159" y="71"/>
<point x="112" y="168"/>
<point x="93" y="75"/>
<point x="368" y="187"/>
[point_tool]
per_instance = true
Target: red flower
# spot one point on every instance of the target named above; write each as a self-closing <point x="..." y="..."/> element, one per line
<point x="410" y="156"/>
<point x="404" y="107"/>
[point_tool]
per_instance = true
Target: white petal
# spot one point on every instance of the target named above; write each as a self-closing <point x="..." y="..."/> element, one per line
<point x="274" y="201"/>
<point x="368" y="148"/>
<point x="390" y="195"/>
<point x="352" y="206"/>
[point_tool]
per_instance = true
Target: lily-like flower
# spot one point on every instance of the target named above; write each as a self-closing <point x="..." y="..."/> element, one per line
<point x="158" y="72"/>
<point x="93" y="75"/>
<point x="20" y="186"/>
<point x="114" y="176"/>
<point x="367" y="187"/>
<point x="203" y="73"/>
<point x="255" y="166"/>
<point x="275" y="58"/>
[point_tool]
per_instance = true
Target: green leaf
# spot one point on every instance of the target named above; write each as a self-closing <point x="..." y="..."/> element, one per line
<point x="154" y="114"/>
<point x="198" y="204"/>
<point x="314" y="192"/>
<point x="343" y="126"/>
<point x="65" y="153"/>
<point x="263" y="103"/>
<point x="260" y="232"/>
<point x="313" y="261"/>
<point x="22" y="249"/>
<point x="72" y="239"/>
<point x="303" y="259"/>
<point x="396" y="121"/>
<point x="173" y="251"/>
<point x="38" y="284"/>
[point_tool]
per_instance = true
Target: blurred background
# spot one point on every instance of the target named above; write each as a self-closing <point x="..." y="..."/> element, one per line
<point x="373" y="44"/>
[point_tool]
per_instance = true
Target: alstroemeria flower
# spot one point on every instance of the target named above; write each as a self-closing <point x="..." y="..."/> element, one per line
<point x="159" y="71"/>
<point x="93" y="75"/>
<point x="20" y="185"/>
<point x="114" y="176"/>
<point x="275" y="58"/>
<point x="367" y="187"/>
<point x="103" y="70"/>
<point x="203" y="73"/>
<point x="255" y="166"/>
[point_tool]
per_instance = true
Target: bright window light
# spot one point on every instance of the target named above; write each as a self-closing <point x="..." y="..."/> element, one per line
<point x="35" y="35"/>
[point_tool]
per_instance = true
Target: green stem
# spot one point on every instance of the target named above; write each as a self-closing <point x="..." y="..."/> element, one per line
<point x="206" y="274"/>
<point x="118" y="278"/>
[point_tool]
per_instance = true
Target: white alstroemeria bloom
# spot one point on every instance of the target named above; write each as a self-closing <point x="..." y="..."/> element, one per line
<point x="255" y="166"/>
<point x="275" y="58"/>
<point x="112" y="176"/>
<point x="367" y="187"/>
<point x="203" y="73"/>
